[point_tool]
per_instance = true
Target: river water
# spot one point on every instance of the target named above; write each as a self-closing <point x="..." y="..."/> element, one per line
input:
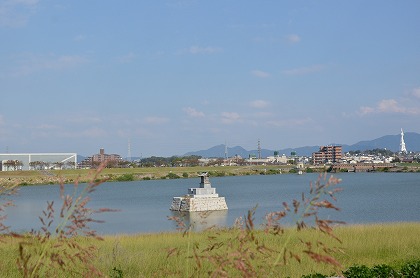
<point x="144" y="205"/>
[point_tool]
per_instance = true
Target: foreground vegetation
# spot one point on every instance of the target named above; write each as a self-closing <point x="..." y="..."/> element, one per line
<point x="65" y="246"/>
<point x="149" y="255"/>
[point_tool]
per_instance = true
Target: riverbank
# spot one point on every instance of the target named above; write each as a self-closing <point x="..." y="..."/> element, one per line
<point x="171" y="254"/>
<point x="24" y="178"/>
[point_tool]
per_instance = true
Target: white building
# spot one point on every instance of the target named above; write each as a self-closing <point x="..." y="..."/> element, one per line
<point x="37" y="161"/>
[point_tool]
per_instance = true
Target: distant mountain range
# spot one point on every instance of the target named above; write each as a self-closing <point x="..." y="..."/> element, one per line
<point x="390" y="142"/>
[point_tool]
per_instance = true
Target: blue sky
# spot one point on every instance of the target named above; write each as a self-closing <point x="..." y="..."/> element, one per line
<point x="178" y="76"/>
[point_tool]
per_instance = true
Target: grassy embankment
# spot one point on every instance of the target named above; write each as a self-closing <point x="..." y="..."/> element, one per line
<point x="126" y="174"/>
<point x="121" y="174"/>
<point x="147" y="255"/>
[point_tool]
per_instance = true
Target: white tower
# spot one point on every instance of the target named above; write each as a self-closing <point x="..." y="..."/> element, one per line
<point x="402" y="144"/>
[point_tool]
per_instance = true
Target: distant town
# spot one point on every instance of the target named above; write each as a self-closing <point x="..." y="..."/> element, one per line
<point x="330" y="156"/>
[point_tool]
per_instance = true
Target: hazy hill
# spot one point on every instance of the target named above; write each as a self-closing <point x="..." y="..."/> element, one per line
<point x="219" y="151"/>
<point x="390" y="142"/>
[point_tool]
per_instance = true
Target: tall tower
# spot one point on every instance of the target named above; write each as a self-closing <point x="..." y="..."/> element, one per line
<point x="402" y="144"/>
<point x="129" y="150"/>
<point x="226" y="151"/>
<point x="259" y="149"/>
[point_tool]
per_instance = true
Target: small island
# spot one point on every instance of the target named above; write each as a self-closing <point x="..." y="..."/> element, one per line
<point x="203" y="198"/>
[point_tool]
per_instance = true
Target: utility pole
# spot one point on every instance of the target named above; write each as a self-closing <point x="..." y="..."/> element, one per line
<point x="226" y="151"/>
<point x="129" y="150"/>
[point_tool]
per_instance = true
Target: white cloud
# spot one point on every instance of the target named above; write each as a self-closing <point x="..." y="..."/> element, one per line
<point x="204" y="50"/>
<point x="31" y="63"/>
<point x="94" y="132"/>
<point x="79" y="38"/>
<point x="289" y="122"/>
<point x="366" y="110"/>
<point x="156" y="120"/>
<point x="389" y="106"/>
<point x="260" y="73"/>
<point x="16" y="13"/>
<point x="304" y="70"/>
<point x="45" y="127"/>
<point x="128" y="58"/>
<point x="260" y="104"/>
<point x="192" y="112"/>
<point x="65" y="61"/>
<point x="25" y="2"/>
<point x="293" y="38"/>
<point x="416" y="93"/>
<point x="230" y="117"/>
<point x="84" y="119"/>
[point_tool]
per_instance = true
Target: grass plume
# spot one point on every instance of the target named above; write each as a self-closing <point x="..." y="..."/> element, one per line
<point x="247" y="252"/>
<point x="57" y="251"/>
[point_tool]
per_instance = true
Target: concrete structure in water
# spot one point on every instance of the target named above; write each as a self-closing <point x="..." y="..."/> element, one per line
<point x="203" y="198"/>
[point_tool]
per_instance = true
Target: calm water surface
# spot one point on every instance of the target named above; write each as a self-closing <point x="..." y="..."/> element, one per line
<point x="144" y="205"/>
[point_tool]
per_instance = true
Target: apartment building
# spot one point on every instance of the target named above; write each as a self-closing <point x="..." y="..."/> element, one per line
<point x="97" y="159"/>
<point x="328" y="154"/>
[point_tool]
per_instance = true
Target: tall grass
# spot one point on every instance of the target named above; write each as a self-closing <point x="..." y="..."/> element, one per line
<point x="245" y="253"/>
<point x="5" y="191"/>
<point x="315" y="245"/>
<point x="386" y="243"/>
<point x="147" y="255"/>
<point x="57" y="248"/>
<point x="143" y="255"/>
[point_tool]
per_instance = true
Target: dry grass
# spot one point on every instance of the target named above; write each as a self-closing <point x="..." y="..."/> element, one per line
<point x="147" y="255"/>
<point x="313" y="246"/>
<point x="58" y="249"/>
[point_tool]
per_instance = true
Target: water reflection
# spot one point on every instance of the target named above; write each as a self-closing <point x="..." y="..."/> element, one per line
<point x="200" y="220"/>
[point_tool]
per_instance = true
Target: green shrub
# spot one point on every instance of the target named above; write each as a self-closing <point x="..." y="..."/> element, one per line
<point x="217" y="174"/>
<point x="185" y="175"/>
<point x="172" y="176"/>
<point x="273" y="172"/>
<point x="316" y="275"/>
<point x="411" y="269"/>
<point x="384" y="271"/>
<point x="126" y="177"/>
<point x="116" y="273"/>
<point x="358" y="271"/>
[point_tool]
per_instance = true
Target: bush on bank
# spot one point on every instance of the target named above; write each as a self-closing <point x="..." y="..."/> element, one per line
<point x="407" y="270"/>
